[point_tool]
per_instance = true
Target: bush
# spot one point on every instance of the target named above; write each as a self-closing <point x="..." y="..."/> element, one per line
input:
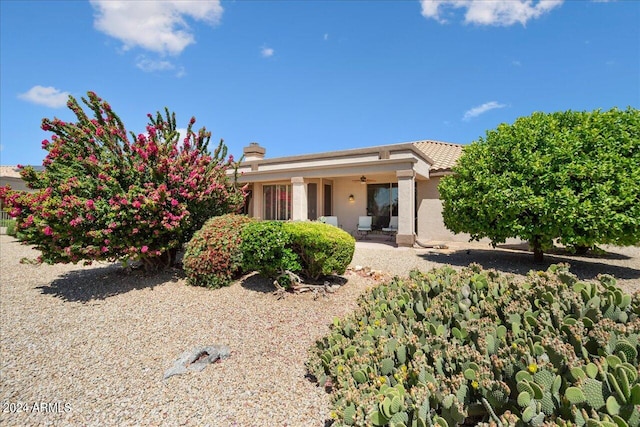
<point x="213" y="257"/>
<point x="265" y="248"/>
<point x="11" y="229"/>
<point x="569" y="176"/>
<point x="10" y="224"/>
<point x="472" y="347"/>
<point x="312" y="249"/>
<point x="322" y="249"/>
<point x="105" y="194"/>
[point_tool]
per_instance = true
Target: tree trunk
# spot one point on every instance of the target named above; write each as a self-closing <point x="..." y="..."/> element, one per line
<point x="536" y="244"/>
<point x="581" y="249"/>
<point x="160" y="263"/>
<point x="538" y="255"/>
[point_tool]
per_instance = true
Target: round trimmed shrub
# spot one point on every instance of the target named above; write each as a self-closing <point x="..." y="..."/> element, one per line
<point x="474" y="347"/>
<point x="322" y="248"/>
<point x="213" y="257"/>
<point x="265" y="249"/>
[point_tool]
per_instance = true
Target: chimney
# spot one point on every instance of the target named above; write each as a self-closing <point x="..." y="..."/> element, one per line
<point x="253" y="152"/>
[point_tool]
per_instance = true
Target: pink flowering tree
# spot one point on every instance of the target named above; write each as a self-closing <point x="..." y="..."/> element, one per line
<point x="105" y="194"/>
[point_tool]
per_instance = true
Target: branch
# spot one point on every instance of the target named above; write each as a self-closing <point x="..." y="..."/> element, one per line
<point x="297" y="286"/>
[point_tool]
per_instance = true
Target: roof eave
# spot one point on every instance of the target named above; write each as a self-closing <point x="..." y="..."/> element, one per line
<point x="348" y="169"/>
<point x="354" y="152"/>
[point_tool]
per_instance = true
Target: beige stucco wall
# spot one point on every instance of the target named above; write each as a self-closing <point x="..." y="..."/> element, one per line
<point x="346" y="211"/>
<point x="430" y="223"/>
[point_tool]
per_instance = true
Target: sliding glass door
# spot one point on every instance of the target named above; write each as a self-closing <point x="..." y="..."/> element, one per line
<point x="382" y="203"/>
<point x="277" y="202"/>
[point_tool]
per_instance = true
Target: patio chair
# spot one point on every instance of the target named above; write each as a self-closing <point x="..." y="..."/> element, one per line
<point x="364" y="226"/>
<point x="331" y="220"/>
<point x="392" y="229"/>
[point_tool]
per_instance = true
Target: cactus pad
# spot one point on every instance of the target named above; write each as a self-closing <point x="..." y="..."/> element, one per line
<point x="450" y="347"/>
<point x="349" y="414"/>
<point x="575" y="395"/>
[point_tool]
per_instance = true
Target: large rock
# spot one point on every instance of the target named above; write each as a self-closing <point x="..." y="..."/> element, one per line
<point x="197" y="359"/>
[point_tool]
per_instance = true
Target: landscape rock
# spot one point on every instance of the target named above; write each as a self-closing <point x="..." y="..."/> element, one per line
<point x="197" y="359"/>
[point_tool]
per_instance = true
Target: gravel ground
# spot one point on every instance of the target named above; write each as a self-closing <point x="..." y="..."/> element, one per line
<point x="621" y="262"/>
<point x="89" y="345"/>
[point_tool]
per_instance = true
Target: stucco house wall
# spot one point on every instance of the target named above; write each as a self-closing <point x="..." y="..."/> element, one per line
<point x="430" y="224"/>
<point x="348" y="211"/>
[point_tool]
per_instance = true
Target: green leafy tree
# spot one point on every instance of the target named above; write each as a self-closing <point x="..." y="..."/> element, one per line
<point x="103" y="196"/>
<point x="571" y="176"/>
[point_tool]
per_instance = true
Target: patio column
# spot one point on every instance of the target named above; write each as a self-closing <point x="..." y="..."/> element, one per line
<point x="406" y="208"/>
<point x="298" y="199"/>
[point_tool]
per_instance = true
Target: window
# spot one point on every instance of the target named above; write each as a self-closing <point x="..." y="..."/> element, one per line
<point x="312" y="201"/>
<point x="277" y="202"/>
<point x="328" y="210"/>
<point x="382" y="203"/>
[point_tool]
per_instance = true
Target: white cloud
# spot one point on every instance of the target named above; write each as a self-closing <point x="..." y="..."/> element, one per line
<point x="326" y="36"/>
<point x="490" y="12"/>
<point x="158" y="65"/>
<point x="47" y="96"/>
<point x="158" y="26"/>
<point x="481" y="109"/>
<point x="181" y="72"/>
<point x="267" y="52"/>
<point x="151" y="65"/>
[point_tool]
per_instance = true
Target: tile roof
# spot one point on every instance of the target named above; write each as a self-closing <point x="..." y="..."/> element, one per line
<point x="14" y="171"/>
<point x="443" y="154"/>
<point x="10" y="171"/>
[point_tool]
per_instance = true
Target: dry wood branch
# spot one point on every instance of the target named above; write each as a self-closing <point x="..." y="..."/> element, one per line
<point x="296" y="285"/>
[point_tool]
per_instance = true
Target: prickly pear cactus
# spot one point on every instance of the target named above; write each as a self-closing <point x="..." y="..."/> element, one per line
<point x="474" y="347"/>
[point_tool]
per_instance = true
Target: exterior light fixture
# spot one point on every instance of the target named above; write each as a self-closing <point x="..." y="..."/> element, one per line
<point x="351" y="198"/>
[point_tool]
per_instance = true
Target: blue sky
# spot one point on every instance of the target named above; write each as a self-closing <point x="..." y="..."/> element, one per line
<point x="309" y="76"/>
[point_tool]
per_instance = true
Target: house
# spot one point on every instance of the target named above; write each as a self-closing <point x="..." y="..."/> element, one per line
<point x="383" y="181"/>
<point x="10" y="175"/>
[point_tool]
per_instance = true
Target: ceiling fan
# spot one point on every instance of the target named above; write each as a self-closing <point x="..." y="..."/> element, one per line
<point x="363" y="180"/>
